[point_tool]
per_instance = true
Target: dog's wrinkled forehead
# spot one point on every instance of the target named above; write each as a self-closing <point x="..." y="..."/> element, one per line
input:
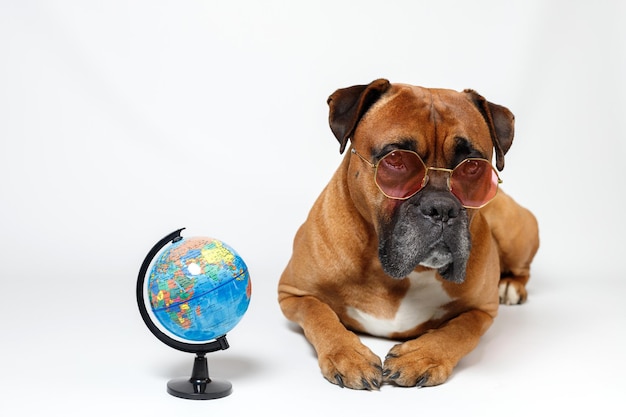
<point x="441" y="125"/>
<point x="400" y="109"/>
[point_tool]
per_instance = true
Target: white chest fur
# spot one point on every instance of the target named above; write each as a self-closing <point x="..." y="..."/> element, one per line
<point x="421" y="303"/>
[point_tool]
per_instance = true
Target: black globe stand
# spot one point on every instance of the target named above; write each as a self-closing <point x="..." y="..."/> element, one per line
<point x="199" y="386"/>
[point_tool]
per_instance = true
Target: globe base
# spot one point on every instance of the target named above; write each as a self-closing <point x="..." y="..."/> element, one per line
<point x="185" y="388"/>
<point x="200" y="386"/>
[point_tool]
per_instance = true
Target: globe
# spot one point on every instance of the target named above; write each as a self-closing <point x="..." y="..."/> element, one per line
<point x="190" y="293"/>
<point x="199" y="289"/>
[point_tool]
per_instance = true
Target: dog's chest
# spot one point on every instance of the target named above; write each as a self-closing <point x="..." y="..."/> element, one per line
<point x="423" y="301"/>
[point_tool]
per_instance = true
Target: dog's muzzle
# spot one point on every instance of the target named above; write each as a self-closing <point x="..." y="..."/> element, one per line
<point x="430" y="229"/>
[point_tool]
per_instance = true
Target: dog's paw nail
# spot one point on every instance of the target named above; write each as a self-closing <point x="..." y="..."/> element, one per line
<point x="339" y="380"/>
<point x="366" y="384"/>
<point x="422" y="380"/>
<point x="380" y="368"/>
<point x="390" y="355"/>
<point x="395" y="376"/>
<point x="376" y="383"/>
<point x="386" y="372"/>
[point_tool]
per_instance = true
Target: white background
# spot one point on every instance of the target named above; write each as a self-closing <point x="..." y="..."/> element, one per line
<point x="121" y="121"/>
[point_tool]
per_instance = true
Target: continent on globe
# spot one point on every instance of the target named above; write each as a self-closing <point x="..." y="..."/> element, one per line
<point x="199" y="289"/>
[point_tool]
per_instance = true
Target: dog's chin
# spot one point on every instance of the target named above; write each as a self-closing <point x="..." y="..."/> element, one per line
<point x="444" y="263"/>
<point x="437" y="259"/>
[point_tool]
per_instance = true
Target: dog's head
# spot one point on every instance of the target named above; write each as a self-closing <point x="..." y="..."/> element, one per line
<point x="443" y="127"/>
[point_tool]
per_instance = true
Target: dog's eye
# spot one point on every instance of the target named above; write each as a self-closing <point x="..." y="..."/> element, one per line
<point x="471" y="168"/>
<point x="393" y="160"/>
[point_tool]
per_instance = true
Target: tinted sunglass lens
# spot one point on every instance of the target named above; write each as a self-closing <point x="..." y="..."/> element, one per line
<point x="474" y="182"/>
<point x="400" y="174"/>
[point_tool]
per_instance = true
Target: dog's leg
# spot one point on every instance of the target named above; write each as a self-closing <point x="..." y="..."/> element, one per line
<point x="516" y="232"/>
<point x="430" y="359"/>
<point x="517" y="248"/>
<point x="343" y="359"/>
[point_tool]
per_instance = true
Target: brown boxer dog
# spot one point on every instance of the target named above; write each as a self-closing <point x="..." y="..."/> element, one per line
<point x="411" y="239"/>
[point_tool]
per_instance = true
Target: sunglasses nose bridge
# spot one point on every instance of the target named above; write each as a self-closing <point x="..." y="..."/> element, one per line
<point x="441" y="181"/>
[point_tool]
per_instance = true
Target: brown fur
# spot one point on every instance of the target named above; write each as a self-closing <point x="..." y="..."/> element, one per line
<point x="335" y="264"/>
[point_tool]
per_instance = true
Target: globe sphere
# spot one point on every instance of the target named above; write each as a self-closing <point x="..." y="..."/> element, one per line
<point x="199" y="289"/>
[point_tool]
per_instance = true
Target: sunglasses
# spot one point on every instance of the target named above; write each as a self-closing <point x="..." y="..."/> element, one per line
<point x="401" y="174"/>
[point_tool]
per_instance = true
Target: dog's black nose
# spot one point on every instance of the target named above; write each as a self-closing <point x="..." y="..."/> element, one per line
<point x="440" y="208"/>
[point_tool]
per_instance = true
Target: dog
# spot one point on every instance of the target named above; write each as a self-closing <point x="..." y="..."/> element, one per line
<point x="412" y="239"/>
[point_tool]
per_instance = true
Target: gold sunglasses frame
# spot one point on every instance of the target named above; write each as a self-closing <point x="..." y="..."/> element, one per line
<point x="426" y="169"/>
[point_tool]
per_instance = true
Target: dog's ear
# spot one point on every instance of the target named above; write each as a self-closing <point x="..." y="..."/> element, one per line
<point x="348" y="105"/>
<point x="501" y="124"/>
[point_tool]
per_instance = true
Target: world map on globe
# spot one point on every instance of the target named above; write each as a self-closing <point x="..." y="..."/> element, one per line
<point x="199" y="289"/>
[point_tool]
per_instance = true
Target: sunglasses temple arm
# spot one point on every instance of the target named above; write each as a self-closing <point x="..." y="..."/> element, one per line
<point x="363" y="158"/>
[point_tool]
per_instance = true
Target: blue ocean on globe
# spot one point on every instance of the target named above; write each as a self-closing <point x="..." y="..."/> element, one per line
<point x="199" y="289"/>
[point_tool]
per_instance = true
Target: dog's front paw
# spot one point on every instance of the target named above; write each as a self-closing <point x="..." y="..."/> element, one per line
<point x="415" y="364"/>
<point x="512" y="291"/>
<point x="352" y="366"/>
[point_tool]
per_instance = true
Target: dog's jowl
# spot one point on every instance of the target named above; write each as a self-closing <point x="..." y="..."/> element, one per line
<point x="412" y="239"/>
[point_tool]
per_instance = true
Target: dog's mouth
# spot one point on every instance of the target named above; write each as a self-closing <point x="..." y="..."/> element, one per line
<point x="450" y="264"/>
<point x="440" y="257"/>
